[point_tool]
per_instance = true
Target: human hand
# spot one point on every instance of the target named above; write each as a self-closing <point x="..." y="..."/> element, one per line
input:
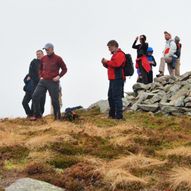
<point x="104" y="61"/>
<point x="28" y="78"/>
<point x="56" y="79"/>
<point x="137" y="38"/>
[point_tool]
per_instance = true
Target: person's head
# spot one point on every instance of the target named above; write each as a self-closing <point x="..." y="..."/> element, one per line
<point x="177" y="39"/>
<point x="113" y="46"/>
<point x="167" y="35"/>
<point x="149" y="51"/>
<point x="49" y="48"/>
<point x="39" y="54"/>
<point x="142" y="39"/>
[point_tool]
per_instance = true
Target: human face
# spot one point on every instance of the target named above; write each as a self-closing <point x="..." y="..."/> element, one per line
<point x="49" y="51"/>
<point x="112" y="49"/>
<point x="141" y="39"/>
<point x="39" y="54"/>
<point x="167" y="36"/>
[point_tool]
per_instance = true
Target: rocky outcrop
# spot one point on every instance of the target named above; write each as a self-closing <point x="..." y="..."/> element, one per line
<point x="28" y="184"/>
<point x="167" y="94"/>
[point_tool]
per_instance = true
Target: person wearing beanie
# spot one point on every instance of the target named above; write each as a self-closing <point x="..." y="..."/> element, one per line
<point x="152" y="63"/>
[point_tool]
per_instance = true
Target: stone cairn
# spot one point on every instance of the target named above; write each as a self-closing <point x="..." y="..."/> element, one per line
<point x="167" y="95"/>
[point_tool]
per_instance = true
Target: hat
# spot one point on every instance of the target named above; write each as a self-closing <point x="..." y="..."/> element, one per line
<point x="177" y="38"/>
<point x="149" y="49"/>
<point x="165" y="32"/>
<point x="48" y="45"/>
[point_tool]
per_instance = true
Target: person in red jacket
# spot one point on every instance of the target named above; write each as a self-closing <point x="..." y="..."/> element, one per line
<point x="116" y="79"/>
<point x="49" y="80"/>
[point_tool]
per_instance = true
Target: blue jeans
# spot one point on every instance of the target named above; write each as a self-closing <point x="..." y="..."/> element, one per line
<point x="115" y="95"/>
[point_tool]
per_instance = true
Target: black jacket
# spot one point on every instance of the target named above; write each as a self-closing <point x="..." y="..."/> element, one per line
<point x="141" y="48"/>
<point x="34" y="71"/>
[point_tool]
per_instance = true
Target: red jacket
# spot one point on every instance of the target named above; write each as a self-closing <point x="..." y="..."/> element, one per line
<point x="114" y="66"/>
<point x="50" y="67"/>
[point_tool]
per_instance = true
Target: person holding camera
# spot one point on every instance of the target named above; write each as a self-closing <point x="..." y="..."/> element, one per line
<point x="142" y="63"/>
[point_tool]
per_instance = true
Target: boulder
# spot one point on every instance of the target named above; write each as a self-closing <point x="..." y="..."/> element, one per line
<point x="151" y="108"/>
<point x="103" y="105"/>
<point x="185" y="76"/>
<point x="28" y="184"/>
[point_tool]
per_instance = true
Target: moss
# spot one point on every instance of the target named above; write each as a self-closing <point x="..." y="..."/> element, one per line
<point x="16" y="152"/>
<point x="63" y="161"/>
<point x="67" y="148"/>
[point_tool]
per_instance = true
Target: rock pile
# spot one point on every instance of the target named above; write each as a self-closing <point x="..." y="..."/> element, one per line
<point x="167" y="94"/>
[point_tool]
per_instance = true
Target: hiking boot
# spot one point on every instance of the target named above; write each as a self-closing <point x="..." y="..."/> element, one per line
<point x="35" y="118"/>
<point x="159" y="75"/>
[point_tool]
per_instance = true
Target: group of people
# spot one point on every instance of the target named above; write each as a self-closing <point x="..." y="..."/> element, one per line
<point x="46" y="70"/>
<point x="44" y="74"/>
<point x="144" y="63"/>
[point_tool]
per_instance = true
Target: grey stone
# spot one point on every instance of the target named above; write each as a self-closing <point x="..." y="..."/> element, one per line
<point x="162" y="79"/>
<point x="185" y="76"/>
<point x="181" y="92"/>
<point x="188" y="105"/>
<point x="188" y="99"/>
<point x="102" y="104"/>
<point x="179" y="102"/>
<point x="157" y="97"/>
<point x="174" y="88"/>
<point x="28" y="184"/>
<point x="141" y="86"/>
<point x="151" y="108"/>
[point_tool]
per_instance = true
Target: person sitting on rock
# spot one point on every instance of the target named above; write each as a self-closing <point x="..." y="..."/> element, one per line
<point x="169" y="56"/>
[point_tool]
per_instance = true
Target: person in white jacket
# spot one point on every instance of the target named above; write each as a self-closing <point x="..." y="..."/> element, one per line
<point x="169" y="56"/>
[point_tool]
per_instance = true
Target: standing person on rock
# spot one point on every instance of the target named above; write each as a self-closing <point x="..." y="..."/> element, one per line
<point x="31" y="80"/>
<point x="116" y="79"/>
<point x="177" y="53"/>
<point x="50" y="74"/>
<point x="169" y="56"/>
<point x="142" y="62"/>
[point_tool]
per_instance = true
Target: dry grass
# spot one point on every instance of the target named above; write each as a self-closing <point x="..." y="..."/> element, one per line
<point x="118" y="178"/>
<point x="180" y="179"/>
<point x="96" y="153"/>
<point x="180" y="151"/>
<point x="136" y="162"/>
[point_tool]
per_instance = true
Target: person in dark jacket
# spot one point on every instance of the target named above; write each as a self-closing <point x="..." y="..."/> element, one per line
<point x="178" y="54"/>
<point x="31" y="80"/>
<point x="152" y="63"/>
<point x="141" y="62"/>
<point x="50" y="76"/>
<point x="116" y="79"/>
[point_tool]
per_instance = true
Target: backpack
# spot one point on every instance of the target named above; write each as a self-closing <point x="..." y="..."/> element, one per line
<point x="128" y="66"/>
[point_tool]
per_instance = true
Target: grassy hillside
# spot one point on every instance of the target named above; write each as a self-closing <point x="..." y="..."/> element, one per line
<point x="144" y="152"/>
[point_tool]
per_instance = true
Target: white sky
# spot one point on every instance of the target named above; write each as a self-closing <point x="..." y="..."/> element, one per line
<point x="80" y="30"/>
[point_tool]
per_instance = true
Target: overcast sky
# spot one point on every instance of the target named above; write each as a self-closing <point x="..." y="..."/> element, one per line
<point x="80" y="30"/>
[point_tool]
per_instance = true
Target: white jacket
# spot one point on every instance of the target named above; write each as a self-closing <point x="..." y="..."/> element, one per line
<point x="170" y="48"/>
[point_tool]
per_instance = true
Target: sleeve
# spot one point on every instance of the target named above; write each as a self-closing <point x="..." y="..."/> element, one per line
<point x="134" y="45"/>
<point x="154" y="62"/>
<point x="31" y="69"/>
<point x="173" y="48"/>
<point x="117" y="60"/>
<point x="63" y="67"/>
<point x="41" y="68"/>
